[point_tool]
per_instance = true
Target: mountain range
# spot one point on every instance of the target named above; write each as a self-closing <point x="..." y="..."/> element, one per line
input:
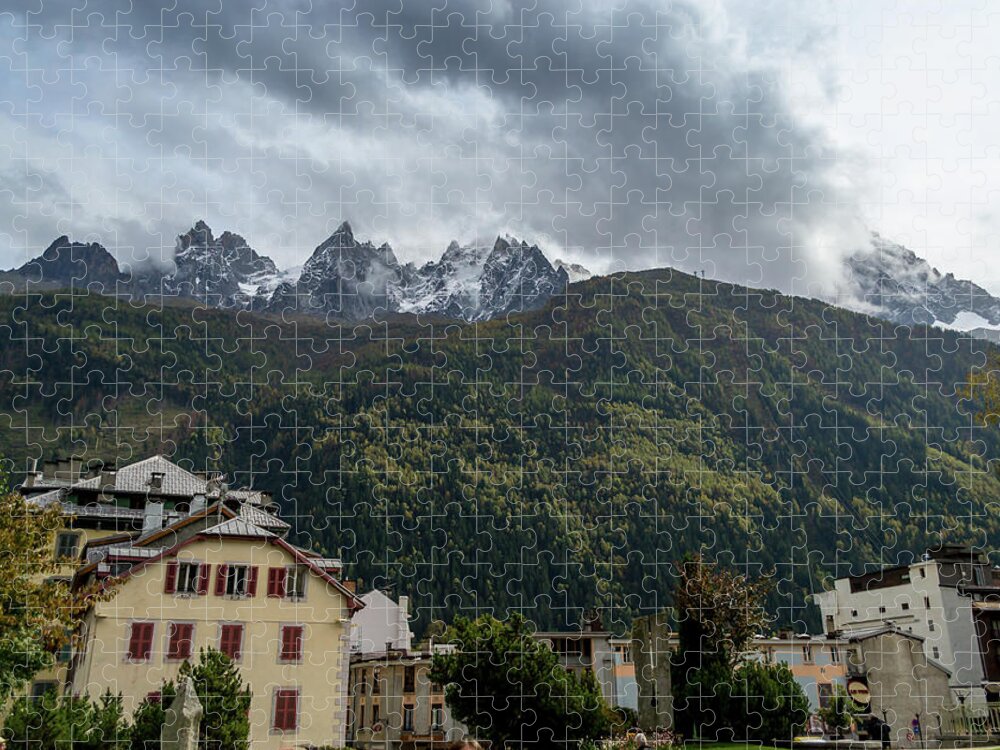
<point x="345" y="278"/>
<point x="350" y="279"/>
<point x="563" y="463"/>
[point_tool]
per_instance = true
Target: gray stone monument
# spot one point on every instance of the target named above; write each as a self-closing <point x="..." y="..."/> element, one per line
<point x="651" y="650"/>
<point x="182" y="720"/>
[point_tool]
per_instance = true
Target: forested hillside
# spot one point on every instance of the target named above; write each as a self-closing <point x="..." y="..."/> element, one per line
<point x="554" y="461"/>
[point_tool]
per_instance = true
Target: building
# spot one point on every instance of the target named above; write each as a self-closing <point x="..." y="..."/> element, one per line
<point x="945" y="599"/>
<point x="383" y="625"/>
<point x="589" y="650"/>
<point x="395" y="705"/>
<point x="888" y="670"/>
<point x="392" y="702"/>
<point x="195" y="564"/>
<point x="817" y="663"/>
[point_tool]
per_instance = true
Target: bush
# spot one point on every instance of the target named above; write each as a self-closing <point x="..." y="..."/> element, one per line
<point x="55" y="723"/>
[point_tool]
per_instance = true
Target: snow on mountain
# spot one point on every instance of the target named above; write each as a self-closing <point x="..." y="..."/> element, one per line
<point x="898" y="285"/>
<point x="575" y="271"/>
<point x="345" y="278"/>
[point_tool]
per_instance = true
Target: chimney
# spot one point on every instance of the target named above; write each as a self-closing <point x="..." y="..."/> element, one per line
<point x="29" y="478"/>
<point x="156" y="480"/>
<point x="197" y="503"/>
<point x="49" y="468"/>
<point x="108" y="477"/>
<point x="152" y="517"/>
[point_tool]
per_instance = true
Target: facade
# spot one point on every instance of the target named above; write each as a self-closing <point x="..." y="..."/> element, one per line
<point x="394" y="705"/>
<point x="945" y="600"/>
<point x="589" y="650"/>
<point x="383" y="625"/>
<point x="197" y="565"/>
<point x="903" y="684"/>
<point x="818" y="664"/>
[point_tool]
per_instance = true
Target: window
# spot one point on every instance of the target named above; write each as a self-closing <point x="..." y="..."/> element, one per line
<point x="927" y="602"/>
<point x="437" y="716"/>
<point x="286" y="710"/>
<point x="881" y="610"/>
<point x="930" y="625"/>
<point x="923" y="572"/>
<point x="375" y="713"/>
<point x="409" y="679"/>
<point x="179" y="640"/>
<point x="906" y="606"/>
<point x="937" y="652"/>
<point x="231" y="640"/>
<point x="40" y="688"/>
<point x="361" y="716"/>
<point x="408" y="717"/>
<point x="834" y="654"/>
<point x="291" y="643"/>
<point x="236" y="580"/>
<point x="824" y="691"/>
<point x="295" y="583"/>
<point x="186" y="578"/>
<point x="376" y="681"/>
<point x="854" y="613"/>
<point x="807" y="654"/>
<point x="67" y="543"/>
<point x="140" y="642"/>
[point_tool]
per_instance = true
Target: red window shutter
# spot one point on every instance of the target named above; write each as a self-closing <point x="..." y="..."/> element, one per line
<point x="220" y="580"/>
<point x="140" y="644"/>
<point x="276" y="582"/>
<point x="291" y="643"/>
<point x="232" y="641"/>
<point x="180" y="640"/>
<point x="286" y="709"/>
<point x="171" y="585"/>
<point x="252" y="581"/>
<point x="204" y="572"/>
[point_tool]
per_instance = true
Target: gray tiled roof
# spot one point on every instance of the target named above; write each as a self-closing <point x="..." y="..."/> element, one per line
<point x="238" y="527"/>
<point x="261" y="518"/>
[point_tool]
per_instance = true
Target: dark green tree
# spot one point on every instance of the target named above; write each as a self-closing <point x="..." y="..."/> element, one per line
<point x="225" y="724"/>
<point x="718" y="613"/>
<point x="59" y="723"/>
<point x="147" y="721"/>
<point x="506" y="686"/>
<point x="838" y="714"/>
<point x="762" y="703"/>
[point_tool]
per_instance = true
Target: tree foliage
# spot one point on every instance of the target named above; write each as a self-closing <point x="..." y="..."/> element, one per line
<point x="720" y="690"/>
<point x="39" y="612"/>
<point x="66" y="723"/>
<point x="506" y="686"/>
<point x="225" y="723"/>
<point x="840" y="711"/>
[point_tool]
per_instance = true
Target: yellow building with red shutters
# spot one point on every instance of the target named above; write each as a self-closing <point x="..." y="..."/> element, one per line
<point x="204" y="567"/>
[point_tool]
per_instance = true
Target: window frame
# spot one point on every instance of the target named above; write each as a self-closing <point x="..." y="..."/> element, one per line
<point x="172" y="625"/>
<point x="409" y="711"/>
<point x="67" y="534"/>
<point x="295" y="574"/>
<point x="194" y="579"/>
<point x="278" y="695"/>
<point x="239" y="651"/>
<point x="129" y="658"/>
<point x="301" y="646"/>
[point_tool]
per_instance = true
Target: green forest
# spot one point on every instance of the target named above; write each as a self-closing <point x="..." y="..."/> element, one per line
<point x="553" y="462"/>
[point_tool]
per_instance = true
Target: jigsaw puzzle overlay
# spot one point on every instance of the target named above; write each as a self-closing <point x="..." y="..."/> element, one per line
<point x="452" y="374"/>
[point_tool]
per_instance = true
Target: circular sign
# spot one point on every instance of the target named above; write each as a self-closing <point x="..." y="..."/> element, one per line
<point x="859" y="692"/>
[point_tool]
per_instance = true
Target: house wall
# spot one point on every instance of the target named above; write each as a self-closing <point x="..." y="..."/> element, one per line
<point x="903" y="683"/>
<point x="319" y="677"/>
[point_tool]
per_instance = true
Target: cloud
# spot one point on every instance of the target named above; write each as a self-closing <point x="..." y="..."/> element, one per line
<point x="621" y="135"/>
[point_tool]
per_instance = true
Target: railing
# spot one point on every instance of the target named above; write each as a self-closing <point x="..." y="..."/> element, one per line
<point x="980" y="720"/>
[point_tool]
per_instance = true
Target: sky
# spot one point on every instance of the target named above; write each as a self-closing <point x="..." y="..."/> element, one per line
<point x="757" y="142"/>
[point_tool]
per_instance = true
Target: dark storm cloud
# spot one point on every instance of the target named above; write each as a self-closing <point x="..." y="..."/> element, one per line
<point x="631" y="135"/>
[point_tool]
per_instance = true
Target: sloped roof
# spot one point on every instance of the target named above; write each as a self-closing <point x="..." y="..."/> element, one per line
<point x="137" y="477"/>
<point x="237" y="527"/>
<point x="260" y="517"/>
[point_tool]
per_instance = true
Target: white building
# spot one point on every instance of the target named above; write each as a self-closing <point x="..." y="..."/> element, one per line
<point x="382" y="625"/>
<point x="937" y="599"/>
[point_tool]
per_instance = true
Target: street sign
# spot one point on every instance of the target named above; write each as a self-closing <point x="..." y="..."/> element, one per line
<point x="858" y="690"/>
